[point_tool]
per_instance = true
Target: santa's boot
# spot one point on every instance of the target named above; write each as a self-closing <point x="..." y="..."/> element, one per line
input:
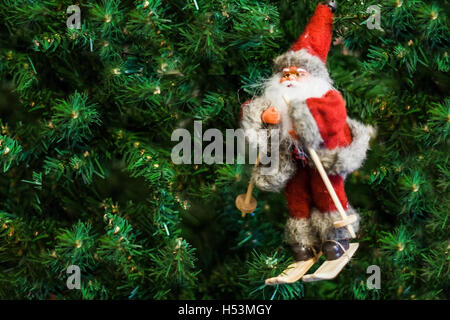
<point x="304" y="243"/>
<point x="301" y="236"/>
<point x="303" y="253"/>
<point x="335" y="243"/>
<point x="334" y="249"/>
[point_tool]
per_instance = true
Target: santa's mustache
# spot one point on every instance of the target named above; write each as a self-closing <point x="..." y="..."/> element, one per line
<point x="289" y="84"/>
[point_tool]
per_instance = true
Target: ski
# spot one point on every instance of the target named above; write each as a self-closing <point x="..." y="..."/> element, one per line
<point x="293" y="272"/>
<point x="330" y="269"/>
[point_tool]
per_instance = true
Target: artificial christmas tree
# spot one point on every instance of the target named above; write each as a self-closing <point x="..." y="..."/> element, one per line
<point x="86" y="117"/>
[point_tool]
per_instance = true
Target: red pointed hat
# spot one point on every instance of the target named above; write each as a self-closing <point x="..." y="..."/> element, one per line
<point x="311" y="48"/>
<point x="316" y="38"/>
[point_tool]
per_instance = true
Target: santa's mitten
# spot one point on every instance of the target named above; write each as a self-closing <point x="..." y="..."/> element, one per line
<point x="271" y="116"/>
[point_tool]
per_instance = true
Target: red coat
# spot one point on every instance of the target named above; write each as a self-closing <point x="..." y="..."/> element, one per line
<point x="306" y="189"/>
<point x="330" y="114"/>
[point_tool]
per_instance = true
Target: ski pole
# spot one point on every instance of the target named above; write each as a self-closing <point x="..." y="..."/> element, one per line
<point x="245" y="202"/>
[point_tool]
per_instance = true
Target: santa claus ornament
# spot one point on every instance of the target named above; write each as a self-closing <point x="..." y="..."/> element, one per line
<point x="319" y="145"/>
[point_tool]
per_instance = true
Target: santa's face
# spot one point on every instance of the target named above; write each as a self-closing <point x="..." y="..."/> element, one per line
<point x="293" y="84"/>
<point x="293" y="74"/>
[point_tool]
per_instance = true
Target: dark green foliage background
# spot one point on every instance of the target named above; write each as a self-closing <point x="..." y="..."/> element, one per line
<point x="86" y="176"/>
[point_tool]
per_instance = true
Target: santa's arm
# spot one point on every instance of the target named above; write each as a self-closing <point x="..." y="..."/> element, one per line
<point x="330" y="115"/>
<point x="322" y="124"/>
<point x="251" y="121"/>
<point x="317" y="119"/>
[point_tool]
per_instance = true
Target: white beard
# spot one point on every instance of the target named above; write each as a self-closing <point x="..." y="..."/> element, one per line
<point x="275" y="91"/>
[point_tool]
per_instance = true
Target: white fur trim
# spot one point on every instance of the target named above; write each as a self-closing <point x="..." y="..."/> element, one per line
<point x="300" y="232"/>
<point x="284" y="170"/>
<point x="322" y="222"/>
